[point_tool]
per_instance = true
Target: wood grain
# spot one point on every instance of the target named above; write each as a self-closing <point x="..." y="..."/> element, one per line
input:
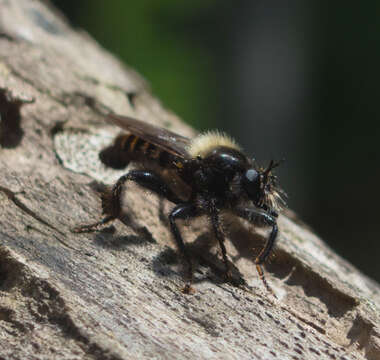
<point x="116" y="294"/>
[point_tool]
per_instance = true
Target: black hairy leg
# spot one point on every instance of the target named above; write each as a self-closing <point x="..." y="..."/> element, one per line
<point x="112" y="199"/>
<point x="183" y="211"/>
<point x="220" y="237"/>
<point x="259" y="217"/>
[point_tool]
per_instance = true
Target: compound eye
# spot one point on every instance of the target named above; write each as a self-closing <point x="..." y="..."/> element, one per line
<point x="252" y="182"/>
<point x="252" y="176"/>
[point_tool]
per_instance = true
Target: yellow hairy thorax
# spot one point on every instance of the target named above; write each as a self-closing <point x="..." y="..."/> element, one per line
<point x="204" y="143"/>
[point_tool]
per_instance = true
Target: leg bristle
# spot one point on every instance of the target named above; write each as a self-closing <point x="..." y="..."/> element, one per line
<point x="262" y="277"/>
<point x="188" y="289"/>
<point x="111" y="201"/>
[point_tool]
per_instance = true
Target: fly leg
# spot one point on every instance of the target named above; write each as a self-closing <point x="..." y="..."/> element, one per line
<point x="183" y="211"/>
<point x="220" y="237"/>
<point x="260" y="218"/>
<point x="112" y="198"/>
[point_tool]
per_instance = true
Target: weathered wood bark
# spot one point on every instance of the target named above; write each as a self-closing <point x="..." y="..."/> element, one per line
<point x="116" y="294"/>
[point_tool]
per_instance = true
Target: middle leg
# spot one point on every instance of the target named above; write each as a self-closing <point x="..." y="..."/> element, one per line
<point x="183" y="211"/>
<point x="216" y="225"/>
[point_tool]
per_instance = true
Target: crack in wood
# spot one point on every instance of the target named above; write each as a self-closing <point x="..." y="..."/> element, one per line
<point x="11" y="132"/>
<point x="12" y="197"/>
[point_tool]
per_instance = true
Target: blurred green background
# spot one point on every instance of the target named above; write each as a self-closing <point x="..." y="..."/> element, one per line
<point x="297" y="80"/>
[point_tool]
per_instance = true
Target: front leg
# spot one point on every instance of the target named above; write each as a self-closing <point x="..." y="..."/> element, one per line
<point x="260" y="218"/>
<point x="112" y="198"/>
<point x="269" y="211"/>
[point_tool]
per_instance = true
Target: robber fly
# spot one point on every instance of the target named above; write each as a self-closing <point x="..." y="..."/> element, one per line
<point x="216" y="174"/>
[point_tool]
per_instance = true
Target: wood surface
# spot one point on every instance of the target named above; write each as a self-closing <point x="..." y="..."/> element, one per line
<point x="117" y="294"/>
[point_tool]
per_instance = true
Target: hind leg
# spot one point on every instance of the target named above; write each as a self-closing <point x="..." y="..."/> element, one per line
<point x="112" y="198"/>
